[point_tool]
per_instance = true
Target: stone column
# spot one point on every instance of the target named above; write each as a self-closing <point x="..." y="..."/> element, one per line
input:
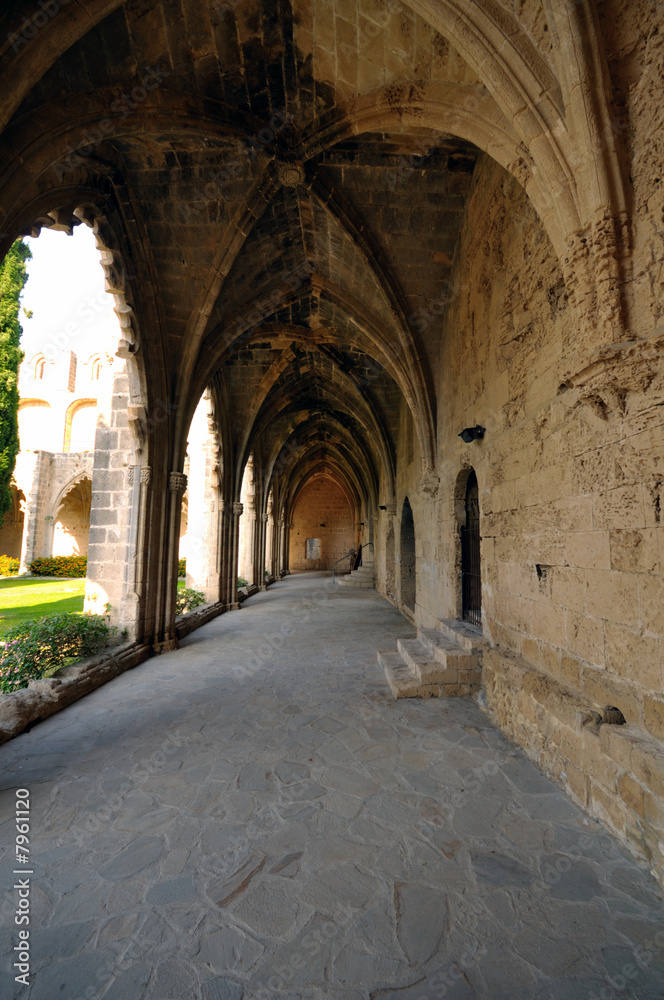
<point x="390" y="554"/>
<point x="238" y="510"/>
<point x="201" y="540"/>
<point x="145" y="481"/>
<point x="33" y="480"/>
<point x="281" y="552"/>
<point x="245" y="562"/>
<point x="114" y="513"/>
<point x="262" y="551"/>
<point x="177" y="484"/>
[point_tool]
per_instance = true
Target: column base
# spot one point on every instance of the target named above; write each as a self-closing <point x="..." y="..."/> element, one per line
<point x="263" y="586"/>
<point x="167" y="646"/>
<point x="235" y="606"/>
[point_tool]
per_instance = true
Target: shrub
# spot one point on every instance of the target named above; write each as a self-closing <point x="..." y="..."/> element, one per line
<point x="241" y="582"/>
<point x="187" y="600"/>
<point x="9" y="566"/>
<point x="182" y="568"/>
<point x="60" y="566"/>
<point x="37" y="648"/>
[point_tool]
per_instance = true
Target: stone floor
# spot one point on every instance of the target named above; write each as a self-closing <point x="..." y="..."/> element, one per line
<point x="254" y="816"/>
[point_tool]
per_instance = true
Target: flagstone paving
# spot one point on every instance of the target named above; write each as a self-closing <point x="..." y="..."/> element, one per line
<point x="254" y="817"/>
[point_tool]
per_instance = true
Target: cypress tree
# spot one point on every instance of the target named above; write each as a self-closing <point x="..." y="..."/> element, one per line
<point x="13" y="275"/>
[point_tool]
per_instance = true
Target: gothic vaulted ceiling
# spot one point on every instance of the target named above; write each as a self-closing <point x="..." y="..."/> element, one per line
<point x="285" y="181"/>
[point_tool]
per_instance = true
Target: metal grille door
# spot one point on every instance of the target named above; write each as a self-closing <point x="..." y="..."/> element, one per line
<point x="471" y="579"/>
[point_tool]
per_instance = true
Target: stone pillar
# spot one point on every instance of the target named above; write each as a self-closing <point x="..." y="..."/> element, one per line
<point x="34" y="476"/>
<point x="115" y="504"/>
<point x="245" y="563"/>
<point x="281" y="548"/>
<point x="144" y="492"/>
<point x="202" y="537"/>
<point x="262" y="551"/>
<point x="177" y="484"/>
<point x="390" y="554"/>
<point x="238" y="510"/>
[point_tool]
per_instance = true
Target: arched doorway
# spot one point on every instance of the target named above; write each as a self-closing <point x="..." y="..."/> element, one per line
<point x="471" y="577"/>
<point x="407" y="556"/>
<point x="71" y="526"/>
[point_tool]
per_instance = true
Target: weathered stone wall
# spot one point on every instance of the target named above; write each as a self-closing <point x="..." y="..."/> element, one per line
<point x="570" y="483"/>
<point x="322" y="511"/>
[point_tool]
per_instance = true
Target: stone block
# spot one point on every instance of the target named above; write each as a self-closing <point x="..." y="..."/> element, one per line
<point x="578" y="784"/>
<point x="613" y="596"/>
<point x="653" y="715"/>
<point x="631" y="792"/>
<point x="618" y="507"/>
<point x="608" y="807"/>
<point x="570" y="671"/>
<point x="635" y="551"/>
<point x="631" y="654"/>
<point x="602" y="689"/>
<point x="618" y="743"/>
<point x="584" y="636"/>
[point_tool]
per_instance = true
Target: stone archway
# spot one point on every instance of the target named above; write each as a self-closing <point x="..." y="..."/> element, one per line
<point x="71" y="524"/>
<point x="408" y="558"/>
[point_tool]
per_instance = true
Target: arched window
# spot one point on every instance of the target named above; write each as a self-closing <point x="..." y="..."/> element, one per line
<point x="95" y="369"/>
<point x="471" y="579"/>
<point x="407" y="555"/>
<point x="39" y="368"/>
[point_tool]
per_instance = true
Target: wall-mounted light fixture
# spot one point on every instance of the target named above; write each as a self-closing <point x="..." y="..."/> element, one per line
<point x="381" y="506"/>
<point x="469" y="434"/>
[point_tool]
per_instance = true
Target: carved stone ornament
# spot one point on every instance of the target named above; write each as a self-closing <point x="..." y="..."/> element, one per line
<point x="619" y="369"/>
<point x="290" y="174"/>
<point x="265" y="518"/>
<point x="429" y="483"/>
<point x="238" y="508"/>
<point x="177" y="482"/>
<point x="146" y="475"/>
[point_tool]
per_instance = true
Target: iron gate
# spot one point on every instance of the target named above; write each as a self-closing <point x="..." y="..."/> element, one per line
<point x="471" y="578"/>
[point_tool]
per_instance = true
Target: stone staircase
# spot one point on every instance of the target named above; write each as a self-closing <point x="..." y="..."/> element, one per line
<point x="362" y="577"/>
<point x="444" y="662"/>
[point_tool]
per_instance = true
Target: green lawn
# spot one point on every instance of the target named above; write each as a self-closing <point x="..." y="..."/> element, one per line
<point x="24" y="600"/>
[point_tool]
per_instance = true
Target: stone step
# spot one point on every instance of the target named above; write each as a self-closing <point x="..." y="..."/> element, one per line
<point x="449" y="654"/>
<point x="421" y="663"/>
<point x="402" y="680"/>
<point x="462" y="634"/>
<point x="431" y="666"/>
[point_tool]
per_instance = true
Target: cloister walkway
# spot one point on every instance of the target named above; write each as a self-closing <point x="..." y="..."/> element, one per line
<point x="253" y="816"/>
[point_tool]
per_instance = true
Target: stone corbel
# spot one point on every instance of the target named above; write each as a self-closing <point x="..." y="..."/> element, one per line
<point x="177" y="482"/>
<point x="138" y="423"/>
<point x="616" y="370"/>
<point x="429" y="482"/>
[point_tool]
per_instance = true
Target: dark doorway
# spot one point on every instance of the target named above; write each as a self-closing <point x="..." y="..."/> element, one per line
<point x="407" y="556"/>
<point x="471" y="578"/>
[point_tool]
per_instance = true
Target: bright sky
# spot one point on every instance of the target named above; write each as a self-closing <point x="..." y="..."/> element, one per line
<point x="65" y="290"/>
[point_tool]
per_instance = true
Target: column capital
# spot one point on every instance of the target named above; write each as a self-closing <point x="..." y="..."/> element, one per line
<point x="146" y="475"/>
<point x="265" y="518"/>
<point x="238" y="508"/>
<point x="177" y="482"/>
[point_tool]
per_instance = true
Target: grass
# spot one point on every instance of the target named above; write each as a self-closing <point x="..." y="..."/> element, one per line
<point x="25" y="600"/>
<point x="30" y="598"/>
